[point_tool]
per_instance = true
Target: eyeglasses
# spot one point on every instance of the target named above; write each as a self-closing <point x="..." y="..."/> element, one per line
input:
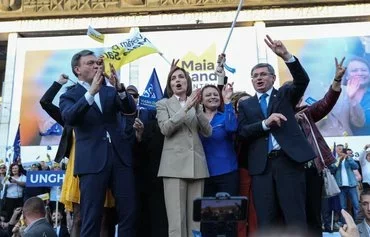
<point x="262" y="74"/>
<point x="2" y="167"/>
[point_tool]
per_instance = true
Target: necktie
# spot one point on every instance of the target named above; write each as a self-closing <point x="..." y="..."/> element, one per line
<point x="263" y="104"/>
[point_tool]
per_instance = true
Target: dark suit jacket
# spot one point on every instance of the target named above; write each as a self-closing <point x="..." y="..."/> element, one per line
<point x="63" y="232"/>
<point x="40" y="228"/>
<point x="53" y="111"/>
<point x="289" y="135"/>
<point x="91" y="126"/>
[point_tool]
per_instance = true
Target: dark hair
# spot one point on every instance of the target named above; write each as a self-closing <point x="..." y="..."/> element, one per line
<point x="34" y="206"/>
<point x="260" y="65"/>
<point x="366" y="191"/>
<point x="236" y="97"/>
<point x="340" y="145"/>
<point x="221" y="107"/>
<point x="11" y="167"/>
<point x="353" y="59"/>
<point x="76" y="59"/>
<point x="188" y="79"/>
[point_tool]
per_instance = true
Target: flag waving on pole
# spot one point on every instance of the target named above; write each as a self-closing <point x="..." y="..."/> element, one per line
<point x="153" y="92"/>
<point x="135" y="47"/>
<point x="17" y="146"/>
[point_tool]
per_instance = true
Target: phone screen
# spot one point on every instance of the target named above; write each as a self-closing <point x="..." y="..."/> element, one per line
<point x="219" y="210"/>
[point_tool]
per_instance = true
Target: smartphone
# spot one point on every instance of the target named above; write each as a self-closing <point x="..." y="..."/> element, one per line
<point x="10" y="179"/>
<point x="209" y="209"/>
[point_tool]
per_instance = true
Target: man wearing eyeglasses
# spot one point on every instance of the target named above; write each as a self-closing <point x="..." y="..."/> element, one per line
<point x="101" y="158"/>
<point x="277" y="147"/>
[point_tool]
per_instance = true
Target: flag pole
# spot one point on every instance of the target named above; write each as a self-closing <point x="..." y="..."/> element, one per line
<point x="164" y="58"/>
<point x="233" y="25"/>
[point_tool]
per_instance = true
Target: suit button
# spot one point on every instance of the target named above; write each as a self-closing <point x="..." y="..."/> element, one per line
<point x="104" y="138"/>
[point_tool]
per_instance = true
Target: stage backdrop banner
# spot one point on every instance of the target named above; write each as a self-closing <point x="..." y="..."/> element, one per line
<point x="41" y="61"/>
<point x="316" y="47"/>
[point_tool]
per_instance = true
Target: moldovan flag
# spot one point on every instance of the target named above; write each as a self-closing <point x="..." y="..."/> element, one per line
<point x="135" y="47"/>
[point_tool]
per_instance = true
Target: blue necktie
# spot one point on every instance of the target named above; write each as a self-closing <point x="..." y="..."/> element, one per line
<point x="263" y="104"/>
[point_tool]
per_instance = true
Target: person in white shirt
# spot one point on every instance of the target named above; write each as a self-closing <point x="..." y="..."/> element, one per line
<point x="14" y="189"/>
<point x="364" y="160"/>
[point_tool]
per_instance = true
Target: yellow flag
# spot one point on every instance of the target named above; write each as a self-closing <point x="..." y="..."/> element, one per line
<point x="135" y="47"/>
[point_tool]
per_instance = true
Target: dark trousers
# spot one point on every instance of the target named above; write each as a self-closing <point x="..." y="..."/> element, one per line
<point x="120" y="179"/>
<point x="152" y="219"/>
<point x="11" y="204"/>
<point x="281" y="186"/>
<point x="314" y="183"/>
<point x="229" y="183"/>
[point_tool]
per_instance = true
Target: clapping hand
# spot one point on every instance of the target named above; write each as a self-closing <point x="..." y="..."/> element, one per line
<point x="278" y="48"/>
<point x="97" y="82"/>
<point x="193" y="100"/>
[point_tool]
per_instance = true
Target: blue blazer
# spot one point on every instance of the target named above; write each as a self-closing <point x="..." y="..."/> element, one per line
<point x="289" y="136"/>
<point x="90" y="126"/>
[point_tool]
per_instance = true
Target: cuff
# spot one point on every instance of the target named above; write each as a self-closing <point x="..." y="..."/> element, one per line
<point x="264" y="126"/>
<point x="89" y="98"/>
<point x="291" y="60"/>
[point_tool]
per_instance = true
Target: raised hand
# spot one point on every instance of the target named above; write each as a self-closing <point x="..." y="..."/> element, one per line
<point x="174" y="64"/>
<point x="139" y="129"/>
<point x="220" y="71"/>
<point x="97" y="82"/>
<point x="339" y="69"/>
<point x="227" y="92"/>
<point x="63" y="79"/>
<point x="275" y="119"/>
<point x="349" y="229"/>
<point x="278" y="48"/>
<point x="353" y="86"/>
<point x="113" y="78"/>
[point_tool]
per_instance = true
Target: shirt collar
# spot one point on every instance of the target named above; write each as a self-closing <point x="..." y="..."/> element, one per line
<point x="267" y="92"/>
<point x="34" y="222"/>
<point x="84" y="84"/>
<point x="178" y="98"/>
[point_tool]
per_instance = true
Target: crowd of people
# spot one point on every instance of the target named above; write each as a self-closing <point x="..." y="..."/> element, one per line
<point x="136" y="172"/>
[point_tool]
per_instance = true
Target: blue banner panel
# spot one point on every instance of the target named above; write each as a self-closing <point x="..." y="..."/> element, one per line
<point x="45" y="178"/>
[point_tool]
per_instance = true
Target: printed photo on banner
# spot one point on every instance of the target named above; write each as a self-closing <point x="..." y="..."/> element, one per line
<point x="317" y="56"/>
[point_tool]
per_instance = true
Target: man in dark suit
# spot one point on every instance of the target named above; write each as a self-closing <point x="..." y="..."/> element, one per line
<point x="277" y="147"/>
<point x="101" y="160"/>
<point x="34" y="215"/>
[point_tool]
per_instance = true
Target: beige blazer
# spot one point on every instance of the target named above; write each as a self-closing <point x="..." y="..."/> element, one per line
<point x="182" y="155"/>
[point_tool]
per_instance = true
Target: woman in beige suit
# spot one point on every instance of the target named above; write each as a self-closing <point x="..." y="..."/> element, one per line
<point x="183" y="165"/>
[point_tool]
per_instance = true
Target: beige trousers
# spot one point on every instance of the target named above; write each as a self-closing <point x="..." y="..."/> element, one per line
<point x="179" y="195"/>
